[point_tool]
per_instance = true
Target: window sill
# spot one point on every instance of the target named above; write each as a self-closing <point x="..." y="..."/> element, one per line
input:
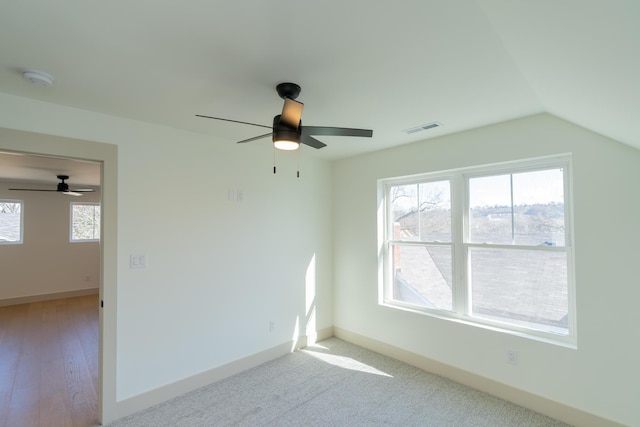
<point x="558" y="340"/>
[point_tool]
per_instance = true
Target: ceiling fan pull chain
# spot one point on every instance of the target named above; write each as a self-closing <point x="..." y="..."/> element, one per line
<point x="298" y="162"/>
<point x="274" y="159"/>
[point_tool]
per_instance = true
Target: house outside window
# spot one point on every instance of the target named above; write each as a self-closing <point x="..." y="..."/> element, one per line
<point x="488" y="245"/>
<point x="85" y="222"/>
<point x="11" y="221"/>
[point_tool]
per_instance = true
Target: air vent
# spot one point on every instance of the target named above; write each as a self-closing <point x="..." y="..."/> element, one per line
<point x="421" y="128"/>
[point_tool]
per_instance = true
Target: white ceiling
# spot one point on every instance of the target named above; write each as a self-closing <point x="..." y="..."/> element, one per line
<point x="38" y="169"/>
<point x="384" y="65"/>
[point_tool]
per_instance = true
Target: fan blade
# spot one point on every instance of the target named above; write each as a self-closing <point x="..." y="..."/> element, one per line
<point x="254" y="138"/>
<point x="71" y="193"/>
<point x="77" y="191"/>
<point x="29" y="189"/>
<point x="233" y="121"/>
<point x="291" y="113"/>
<point x="311" y="141"/>
<point x="331" y="131"/>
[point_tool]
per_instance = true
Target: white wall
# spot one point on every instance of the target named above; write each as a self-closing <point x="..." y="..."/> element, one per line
<point x="218" y="271"/>
<point x="46" y="262"/>
<point x="600" y="377"/>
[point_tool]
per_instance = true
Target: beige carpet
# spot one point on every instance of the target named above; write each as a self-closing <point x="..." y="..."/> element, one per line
<point x="334" y="383"/>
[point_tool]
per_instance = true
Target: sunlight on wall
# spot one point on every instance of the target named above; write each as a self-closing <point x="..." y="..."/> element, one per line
<point x="296" y="335"/>
<point x="309" y="320"/>
<point x="310" y="301"/>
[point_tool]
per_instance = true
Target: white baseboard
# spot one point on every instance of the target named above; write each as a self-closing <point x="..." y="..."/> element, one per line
<point x="47" y="297"/>
<point x="320" y="335"/>
<point x="145" y="400"/>
<point x="525" y="399"/>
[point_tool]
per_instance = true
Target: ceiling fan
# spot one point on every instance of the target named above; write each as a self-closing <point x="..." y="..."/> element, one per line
<point x="63" y="188"/>
<point x="287" y="132"/>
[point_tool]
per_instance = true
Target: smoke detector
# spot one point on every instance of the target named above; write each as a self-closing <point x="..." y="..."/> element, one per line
<point x="38" y="78"/>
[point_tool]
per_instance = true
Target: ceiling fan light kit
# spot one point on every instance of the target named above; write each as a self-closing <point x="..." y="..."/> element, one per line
<point x="287" y="131"/>
<point x="286" y="145"/>
<point x="285" y="138"/>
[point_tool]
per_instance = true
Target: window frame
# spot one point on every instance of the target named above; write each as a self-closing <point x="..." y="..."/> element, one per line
<point x="460" y="245"/>
<point x="20" y="241"/>
<point x="71" y="218"/>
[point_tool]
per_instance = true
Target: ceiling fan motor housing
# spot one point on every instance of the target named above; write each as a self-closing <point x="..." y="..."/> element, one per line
<point x="63" y="186"/>
<point x="284" y="132"/>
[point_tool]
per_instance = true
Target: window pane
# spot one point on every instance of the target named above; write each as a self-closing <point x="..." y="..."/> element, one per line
<point x="421" y="212"/>
<point x="521" y="287"/>
<point x="490" y="210"/>
<point x="85" y="220"/>
<point x="10" y="222"/>
<point x="538" y="199"/>
<point x="422" y="275"/>
<point x="524" y="208"/>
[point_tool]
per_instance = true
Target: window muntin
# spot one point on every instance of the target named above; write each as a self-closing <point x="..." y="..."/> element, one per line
<point x="508" y="261"/>
<point x="85" y="222"/>
<point x="11" y="221"/>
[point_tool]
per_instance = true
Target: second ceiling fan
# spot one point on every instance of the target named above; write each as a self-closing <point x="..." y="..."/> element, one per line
<point x="287" y="131"/>
<point x="62" y="187"/>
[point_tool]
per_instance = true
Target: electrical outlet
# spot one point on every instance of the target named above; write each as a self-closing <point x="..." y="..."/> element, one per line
<point x="272" y="325"/>
<point x="512" y="357"/>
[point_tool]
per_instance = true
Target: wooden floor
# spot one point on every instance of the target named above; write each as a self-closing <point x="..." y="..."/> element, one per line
<point x="49" y="363"/>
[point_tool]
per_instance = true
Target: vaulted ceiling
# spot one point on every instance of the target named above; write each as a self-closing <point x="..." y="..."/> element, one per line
<point x="388" y="66"/>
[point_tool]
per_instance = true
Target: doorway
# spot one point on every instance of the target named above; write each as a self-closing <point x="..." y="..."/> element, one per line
<point x="32" y="144"/>
<point x="49" y="290"/>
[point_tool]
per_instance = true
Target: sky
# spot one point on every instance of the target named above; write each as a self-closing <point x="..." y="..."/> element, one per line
<point x="539" y="187"/>
<point x="529" y="188"/>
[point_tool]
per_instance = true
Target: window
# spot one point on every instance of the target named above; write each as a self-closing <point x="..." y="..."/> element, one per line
<point x="85" y="222"/>
<point x="487" y="245"/>
<point x="10" y="221"/>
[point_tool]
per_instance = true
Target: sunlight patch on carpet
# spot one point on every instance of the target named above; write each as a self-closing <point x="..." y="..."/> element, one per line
<point x="346" y="363"/>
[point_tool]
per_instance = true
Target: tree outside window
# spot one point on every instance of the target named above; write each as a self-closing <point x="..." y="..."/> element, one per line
<point x="85" y="222"/>
<point x="10" y="221"/>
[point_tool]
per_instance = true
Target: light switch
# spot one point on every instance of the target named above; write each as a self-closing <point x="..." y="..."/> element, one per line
<point x="235" y="195"/>
<point x="138" y="261"/>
